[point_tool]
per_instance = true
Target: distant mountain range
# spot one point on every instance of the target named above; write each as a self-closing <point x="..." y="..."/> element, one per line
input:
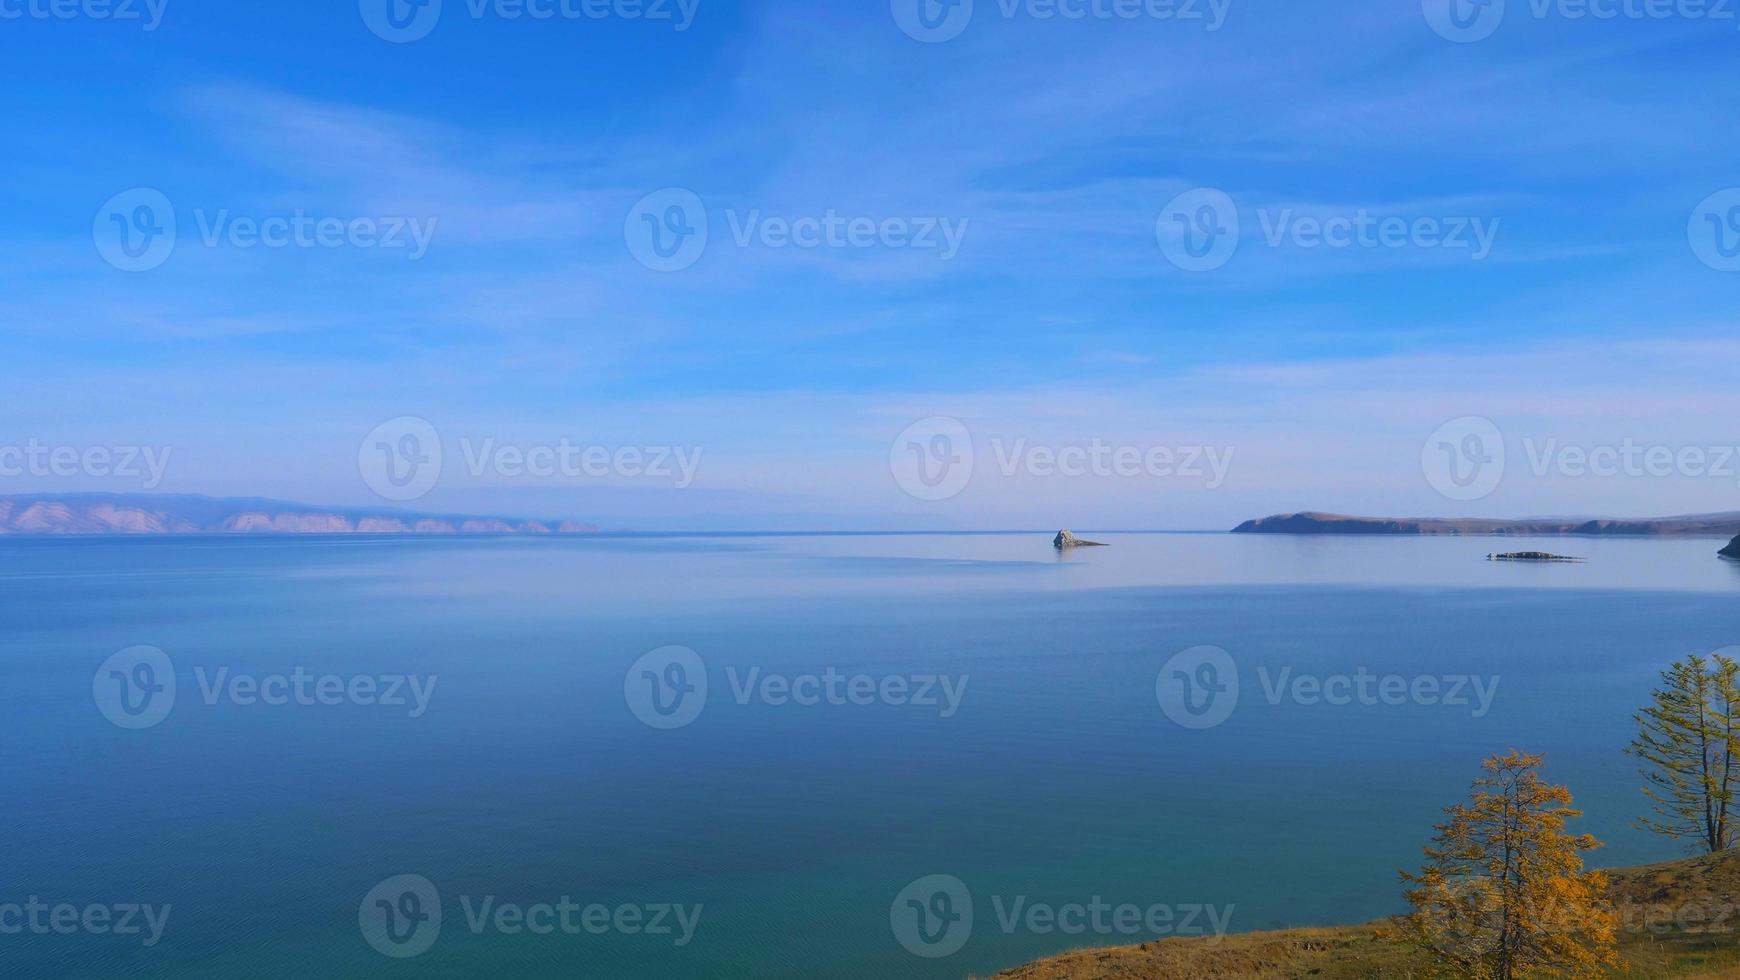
<point x="1312" y="522"/>
<point x="104" y="513"/>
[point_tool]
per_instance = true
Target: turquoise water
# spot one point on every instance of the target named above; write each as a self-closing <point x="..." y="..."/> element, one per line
<point x="1058" y="777"/>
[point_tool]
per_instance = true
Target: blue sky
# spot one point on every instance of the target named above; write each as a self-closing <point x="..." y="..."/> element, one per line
<point x="1055" y="146"/>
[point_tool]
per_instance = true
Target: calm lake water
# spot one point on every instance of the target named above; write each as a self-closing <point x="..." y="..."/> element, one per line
<point x="994" y="717"/>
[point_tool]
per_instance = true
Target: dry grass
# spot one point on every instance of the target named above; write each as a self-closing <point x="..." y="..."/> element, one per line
<point x="1679" y="920"/>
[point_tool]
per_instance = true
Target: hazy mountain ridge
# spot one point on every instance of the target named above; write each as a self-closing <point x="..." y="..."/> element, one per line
<point x="1316" y="522"/>
<point x="173" y="514"/>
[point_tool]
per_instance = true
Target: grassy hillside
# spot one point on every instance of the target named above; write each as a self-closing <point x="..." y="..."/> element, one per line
<point x="1680" y="919"/>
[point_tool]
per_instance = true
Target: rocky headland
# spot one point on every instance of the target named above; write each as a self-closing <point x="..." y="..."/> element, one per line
<point x="1316" y="522"/>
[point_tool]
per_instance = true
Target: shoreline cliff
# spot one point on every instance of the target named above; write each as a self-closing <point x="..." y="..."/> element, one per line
<point x="98" y="514"/>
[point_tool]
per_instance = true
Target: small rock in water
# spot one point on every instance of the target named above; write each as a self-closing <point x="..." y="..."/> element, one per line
<point x="1531" y="556"/>
<point x="1065" y="539"/>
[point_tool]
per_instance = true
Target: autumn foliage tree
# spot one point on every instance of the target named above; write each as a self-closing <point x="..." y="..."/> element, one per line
<point x="1689" y="742"/>
<point x="1503" y="894"/>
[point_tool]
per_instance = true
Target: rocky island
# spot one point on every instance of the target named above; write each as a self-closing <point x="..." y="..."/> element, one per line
<point x="1732" y="551"/>
<point x="1066" y="540"/>
<point x="1531" y="556"/>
